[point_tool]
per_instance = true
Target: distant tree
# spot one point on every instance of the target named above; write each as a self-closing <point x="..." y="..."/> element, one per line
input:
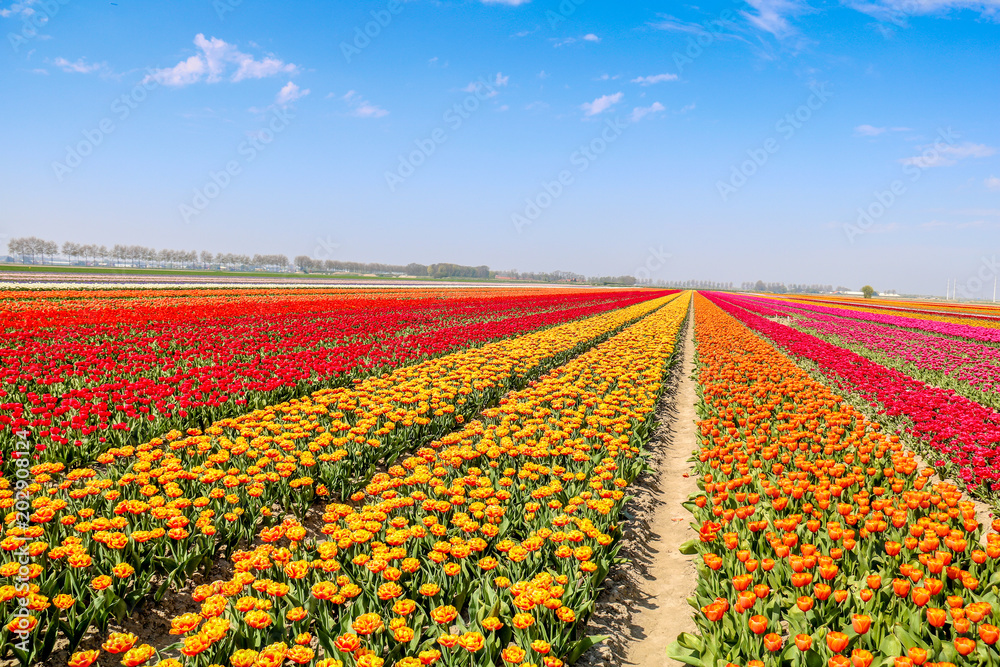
<point x="868" y="291"/>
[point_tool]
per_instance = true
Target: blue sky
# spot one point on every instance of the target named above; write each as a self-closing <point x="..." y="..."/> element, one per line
<point x="831" y="142"/>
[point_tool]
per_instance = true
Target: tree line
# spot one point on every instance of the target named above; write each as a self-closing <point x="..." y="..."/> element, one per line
<point x="33" y="250"/>
<point x="781" y="288"/>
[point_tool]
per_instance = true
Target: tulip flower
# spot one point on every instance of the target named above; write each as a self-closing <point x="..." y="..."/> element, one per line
<point x="758" y="624"/>
<point x="836" y="641"/>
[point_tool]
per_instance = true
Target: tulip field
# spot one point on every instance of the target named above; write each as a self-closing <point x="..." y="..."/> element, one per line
<point x="441" y="476"/>
<point x="822" y="538"/>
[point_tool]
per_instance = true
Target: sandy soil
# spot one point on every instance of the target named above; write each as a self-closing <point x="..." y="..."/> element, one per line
<point x="644" y="606"/>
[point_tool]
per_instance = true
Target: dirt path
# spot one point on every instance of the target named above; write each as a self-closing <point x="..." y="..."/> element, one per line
<point x="644" y="606"/>
<point x="670" y="577"/>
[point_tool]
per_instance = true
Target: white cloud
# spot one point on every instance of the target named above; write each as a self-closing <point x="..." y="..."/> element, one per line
<point x="80" y="66"/>
<point x="992" y="183"/>
<point x="23" y="10"/>
<point x="601" y="104"/>
<point x="216" y="57"/>
<point x="868" y="130"/>
<point x="948" y="155"/>
<point x="655" y="78"/>
<point x="872" y="131"/>
<point x="897" y="11"/>
<point x="289" y="93"/>
<point x="362" y="108"/>
<point x="639" y="113"/>
<point x="771" y="15"/>
<point x="499" y="81"/>
<point x="589" y="37"/>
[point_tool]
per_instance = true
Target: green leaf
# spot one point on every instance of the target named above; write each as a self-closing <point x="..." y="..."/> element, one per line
<point x="688" y="640"/>
<point x="891" y="646"/>
<point x="689" y="548"/>
<point x="687" y="656"/>
<point x="583" y="646"/>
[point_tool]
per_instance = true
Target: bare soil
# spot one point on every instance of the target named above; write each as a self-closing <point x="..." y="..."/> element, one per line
<point x="644" y="605"/>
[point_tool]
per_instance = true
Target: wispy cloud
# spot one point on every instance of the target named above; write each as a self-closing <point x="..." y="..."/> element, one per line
<point x="946" y="156"/>
<point x="896" y="11"/>
<point x="511" y="3"/>
<point x="992" y="183"/>
<point x="362" y="108"/>
<point x="216" y="60"/>
<point x="499" y="81"/>
<point x="79" y="66"/>
<point x="639" y="113"/>
<point x="601" y="104"/>
<point x="868" y="130"/>
<point x="290" y="93"/>
<point x="873" y="131"/>
<point x="772" y="15"/>
<point x="22" y="10"/>
<point x="655" y="78"/>
<point x="674" y="24"/>
<point x="589" y="37"/>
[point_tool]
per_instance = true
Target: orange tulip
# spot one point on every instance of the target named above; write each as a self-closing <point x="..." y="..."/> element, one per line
<point x="861" y="623"/>
<point x="989" y="634"/>
<point x="936" y="617"/>
<point x="861" y="657"/>
<point x="965" y="646"/>
<point x="837" y="641"/>
<point x="758" y="624"/>
<point x="917" y="655"/>
<point x="772" y="642"/>
<point x="805" y="603"/>
<point x="803" y="642"/>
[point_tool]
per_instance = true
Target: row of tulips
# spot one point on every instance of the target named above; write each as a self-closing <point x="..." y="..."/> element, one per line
<point x="486" y="547"/>
<point x="971" y="311"/>
<point x="968" y="368"/>
<point x="155" y="513"/>
<point x="137" y="369"/>
<point x="946" y="325"/>
<point x="959" y="435"/>
<point x="821" y="540"/>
